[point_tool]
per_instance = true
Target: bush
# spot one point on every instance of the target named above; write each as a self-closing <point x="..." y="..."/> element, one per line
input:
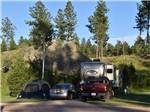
<point x="6" y="65"/>
<point x="133" y="78"/>
<point x="128" y="72"/>
<point x="18" y="76"/>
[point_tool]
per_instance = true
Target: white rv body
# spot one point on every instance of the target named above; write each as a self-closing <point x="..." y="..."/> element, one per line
<point x="97" y="69"/>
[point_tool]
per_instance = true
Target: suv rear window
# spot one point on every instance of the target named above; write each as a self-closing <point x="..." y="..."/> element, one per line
<point x="96" y="81"/>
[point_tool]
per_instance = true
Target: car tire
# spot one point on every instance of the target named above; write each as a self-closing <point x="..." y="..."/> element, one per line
<point x="111" y="94"/>
<point x="83" y="99"/>
<point x="107" y="96"/>
<point x="69" y="96"/>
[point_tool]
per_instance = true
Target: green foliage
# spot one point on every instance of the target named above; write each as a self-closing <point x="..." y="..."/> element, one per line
<point x="12" y="44"/>
<point x="7" y="31"/>
<point x="58" y="78"/>
<point x="82" y="46"/>
<point x="126" y="48"/>
<point x="60" y="25"/>
<point x="42" y="28"/>
<point x="119" y="48"/>
<point x="70" y="21"/>
<point x="24" y="42"/>
<point x="3" y="45"/>
<point x="139" y="46"/>
<point x="148" y="49"/>
<point x="110" y="50"/>
<point x="77" y="42"/>
<point x="18" y="76"/>
<point x="87" y="48"/>
<point x="7" y="62"/>
<point x="128" y="72"/>
<point x="140" y="20"/>
<point x="21" y="40"/>
<point x="99" y="26"/>
<point x="6" y="65"/>
<point x="143" y="18"/>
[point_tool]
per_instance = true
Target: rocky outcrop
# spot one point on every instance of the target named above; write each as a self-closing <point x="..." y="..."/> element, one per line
<point x="60" y="58"/>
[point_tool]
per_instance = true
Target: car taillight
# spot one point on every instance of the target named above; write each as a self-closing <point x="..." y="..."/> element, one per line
<point x="81" y="88"/>
<point x="105" y="88"/>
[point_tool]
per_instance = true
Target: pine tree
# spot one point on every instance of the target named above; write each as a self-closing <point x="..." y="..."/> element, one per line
<point x="88" y="47"/>
<point x="60" y="25"/>
<point x="83" y="44"/>
<point x="99" y="26"/>
<point x="139" y="46"/>
<point x="24" y="42"/>
<point x="143" y="18"/>
<point x="3" y="45"/>
<point x="110" y="50"/>
<point x="119" y="48"/>
<point x="7" y="30"/>
<point x="140" y="20"/>
<point x="146" y="12"/>
<point x="42" y="29"/>
<point x="70" y="21"/>
<point x="21" y="40"/>
<point x="12" y="44"/>
<point x="126" y="48"/>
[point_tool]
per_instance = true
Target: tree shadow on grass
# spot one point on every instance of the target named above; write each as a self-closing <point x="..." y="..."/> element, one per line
<point x="135" y="98"/>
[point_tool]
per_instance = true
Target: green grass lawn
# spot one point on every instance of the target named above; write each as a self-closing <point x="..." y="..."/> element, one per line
<point x="132" y="99"/>
<point x="9" y="99"/>
<point x="139" y="98"/>
<point x="6" y="99"/>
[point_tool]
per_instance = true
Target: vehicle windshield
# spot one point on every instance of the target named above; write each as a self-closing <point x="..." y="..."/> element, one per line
<point x="97" y="81"/>
<point x="61" y="86"/>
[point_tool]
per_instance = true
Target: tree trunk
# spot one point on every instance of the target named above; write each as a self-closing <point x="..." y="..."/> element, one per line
<point x="97" y="49"/>
<point x="43" y="62"/>
<point x="101" y="49"/>
<point x="148" y="29"/>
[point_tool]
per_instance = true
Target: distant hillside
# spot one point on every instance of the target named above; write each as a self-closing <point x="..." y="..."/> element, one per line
<point x="67" y="55"/>
<point x="58" y="55"/>
<point x="141" y="65"/>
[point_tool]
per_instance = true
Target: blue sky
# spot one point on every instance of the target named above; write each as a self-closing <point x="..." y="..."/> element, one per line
<point x="121" y="17"/>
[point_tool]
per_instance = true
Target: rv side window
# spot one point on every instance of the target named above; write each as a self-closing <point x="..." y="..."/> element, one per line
<point x="109" y="70"/>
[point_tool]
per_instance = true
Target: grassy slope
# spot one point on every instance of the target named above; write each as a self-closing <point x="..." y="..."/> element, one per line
<point x="10" y="55"/>
<point x="140" y="64"/>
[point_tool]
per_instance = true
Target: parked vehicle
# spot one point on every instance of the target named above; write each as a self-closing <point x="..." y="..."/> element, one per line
<point x="98" y="69"/>
<point x="63" y="90"/>
<point x="36" y="89"/>
<point x="98" y="88"/>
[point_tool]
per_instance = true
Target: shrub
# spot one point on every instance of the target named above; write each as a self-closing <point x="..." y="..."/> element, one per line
<point x="6" y="65"/>
<point x="128" y="72"/>
<point x="18" y="76"/>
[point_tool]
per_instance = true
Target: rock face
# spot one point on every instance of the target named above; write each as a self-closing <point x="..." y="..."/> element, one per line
<point x="61" y="58"/>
